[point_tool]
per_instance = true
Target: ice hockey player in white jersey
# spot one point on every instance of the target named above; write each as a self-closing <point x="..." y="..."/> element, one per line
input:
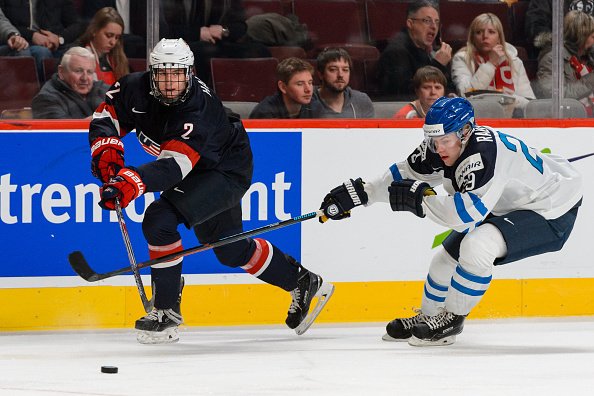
<point x="505" y="202"/>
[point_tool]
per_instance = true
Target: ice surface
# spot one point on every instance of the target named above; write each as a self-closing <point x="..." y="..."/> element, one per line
<point x="498" y="357"/>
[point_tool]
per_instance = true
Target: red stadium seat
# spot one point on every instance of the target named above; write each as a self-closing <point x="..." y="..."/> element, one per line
<point x="284" y="52"/>
<point x="19" y="82"/>
<point x="332" y="21"/>
<point x="137" y="64"/>
<point x="385" y="18"/>
<point x="244" y="80"/>
<point x="50" y="66"/>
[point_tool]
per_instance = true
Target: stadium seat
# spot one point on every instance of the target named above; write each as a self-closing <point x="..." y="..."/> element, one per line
<point x="19" y="82"/>
<point x="542" y="108"/>
<point x="50" y="66"/>
<point x="387" y="109"/>
<point x="24" y="113"/>
<point x="242" y="108"/>
<point x="284" y="52"/>
<point x="243" y="80"/>
<point x="384" y="19"/>
<point x="332" y="21"/>
<point x="137" y="64"/>
<point x="485" y="108"/>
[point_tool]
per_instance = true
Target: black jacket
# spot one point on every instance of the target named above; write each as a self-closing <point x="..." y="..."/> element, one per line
<point x="57" y="16"/>
<point x="228" y="13"/>
<point x="398" y="64"/>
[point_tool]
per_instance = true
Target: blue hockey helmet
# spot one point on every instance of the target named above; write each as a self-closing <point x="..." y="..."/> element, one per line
<point x="448" y="115"/>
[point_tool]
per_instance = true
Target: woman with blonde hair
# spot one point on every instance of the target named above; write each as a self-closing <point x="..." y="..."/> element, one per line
<point x="489" y="63"/>
<point x="103" y="37"/>
<point x="578" y="40"/>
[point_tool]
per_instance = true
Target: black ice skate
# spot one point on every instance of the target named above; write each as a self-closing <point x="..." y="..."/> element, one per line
<point x="160" y="326"/>
<point x="399" y="328"/>
<point x="309" y="286"/>
<point x="440" y="329"/>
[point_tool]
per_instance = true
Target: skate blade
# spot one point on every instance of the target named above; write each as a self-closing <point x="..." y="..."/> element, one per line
<point x="387" y="337"/>
<point x="414" y="341"/>
<point x="324" y="293"/>
<point x="166" y="336"/>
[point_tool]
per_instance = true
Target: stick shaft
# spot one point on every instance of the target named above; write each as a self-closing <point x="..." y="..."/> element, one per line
<point x="77" y="260"/>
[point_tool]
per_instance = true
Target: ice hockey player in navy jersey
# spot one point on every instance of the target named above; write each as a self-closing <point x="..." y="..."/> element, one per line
<point x="203" y="167"/>
<point x="505" y="202"/>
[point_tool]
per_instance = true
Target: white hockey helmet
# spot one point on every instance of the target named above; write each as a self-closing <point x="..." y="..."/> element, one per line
<point x="170" y="54"/>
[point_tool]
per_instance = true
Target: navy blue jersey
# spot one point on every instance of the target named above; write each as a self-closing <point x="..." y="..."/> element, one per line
<point x="191" y="136"/>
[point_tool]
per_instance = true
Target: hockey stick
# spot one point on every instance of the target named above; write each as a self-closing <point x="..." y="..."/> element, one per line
<point x="579" y="157"/>
<point x="148" y="305"/>
<point x="81" y="267"/>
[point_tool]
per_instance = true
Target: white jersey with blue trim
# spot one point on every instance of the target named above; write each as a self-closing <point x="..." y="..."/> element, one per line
<point x="496" y="173"/>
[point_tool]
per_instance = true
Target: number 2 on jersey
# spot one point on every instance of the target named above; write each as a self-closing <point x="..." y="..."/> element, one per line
<point x="535" y="161"/>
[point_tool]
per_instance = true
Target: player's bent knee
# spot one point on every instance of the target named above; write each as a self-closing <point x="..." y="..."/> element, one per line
<point x="480" y="248"/>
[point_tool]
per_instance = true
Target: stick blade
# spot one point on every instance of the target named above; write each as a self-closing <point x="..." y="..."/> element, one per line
<point x="81" y="267"/>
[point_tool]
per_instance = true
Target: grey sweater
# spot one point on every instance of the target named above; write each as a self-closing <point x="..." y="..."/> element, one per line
<point x="56" y="100"/>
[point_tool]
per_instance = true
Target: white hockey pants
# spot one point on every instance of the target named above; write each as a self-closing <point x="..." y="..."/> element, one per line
<point x="459" y="286"/>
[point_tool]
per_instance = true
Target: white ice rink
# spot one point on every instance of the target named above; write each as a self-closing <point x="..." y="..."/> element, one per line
<point x="499" y="357"/>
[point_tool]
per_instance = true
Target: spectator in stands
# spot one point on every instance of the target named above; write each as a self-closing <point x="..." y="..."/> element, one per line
<point x="133" y="13"/>
<point x="103" y="38"/>
<point x="578" y="38"/>
<point x="539" y="17"/>
<point x="429" y="84"/>
<point x="415" y="46"/>
<point x="337" y="99"/>
<point x="489" y="63"/>
<point x="48" y="27"/>
<point x="72" y="92"/>
<point x="294" y="98"/>
<point x="213" y="29"/>
<point x="11" y="42"/>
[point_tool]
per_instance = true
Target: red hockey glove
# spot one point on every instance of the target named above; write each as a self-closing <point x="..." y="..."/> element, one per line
<point x="108" y="157"/>
<point x="126" y="185"/>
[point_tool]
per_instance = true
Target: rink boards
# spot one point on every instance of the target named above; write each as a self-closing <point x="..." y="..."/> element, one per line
<point x="378" y="259"/>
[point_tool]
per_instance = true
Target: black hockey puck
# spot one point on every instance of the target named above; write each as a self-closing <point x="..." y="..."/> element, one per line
<point x="109" y="369"/>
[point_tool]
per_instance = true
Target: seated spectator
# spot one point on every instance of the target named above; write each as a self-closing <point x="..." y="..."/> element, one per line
<point x="415" y="46"/>
<point x="489" y="63"/>
<point x="103" y="38"/>
<point x="133" y="13"/>
<point x="72" y="91"/>
<point x="538" y="21"/>
<point x="212" y="29"/>
<point x="11" y="42"/>
<point x="294" y="98"/>
<point x="429" y="84"/>
<point x="338" y="100"/>
<point x="578" y="40"/>
<point x="49" y="28"/>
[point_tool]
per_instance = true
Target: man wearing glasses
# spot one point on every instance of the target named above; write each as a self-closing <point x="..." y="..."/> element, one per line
<point x="417" y="45"/>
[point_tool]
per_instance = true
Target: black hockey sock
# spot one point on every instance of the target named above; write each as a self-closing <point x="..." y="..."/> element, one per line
<point x="166" y="284"/>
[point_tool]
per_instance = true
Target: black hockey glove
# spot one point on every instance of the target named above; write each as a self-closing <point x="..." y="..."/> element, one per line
<point x="338" y="203"/>
<point x="407" y="194"/>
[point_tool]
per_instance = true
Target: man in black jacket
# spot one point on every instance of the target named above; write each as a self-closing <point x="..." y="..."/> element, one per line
<point x="213" y="29"/>
<point x="416" y="46"/>
<point x="49" y="27"/>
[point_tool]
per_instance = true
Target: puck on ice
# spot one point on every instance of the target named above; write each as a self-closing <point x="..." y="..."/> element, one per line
<point x="109" y="369"/>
